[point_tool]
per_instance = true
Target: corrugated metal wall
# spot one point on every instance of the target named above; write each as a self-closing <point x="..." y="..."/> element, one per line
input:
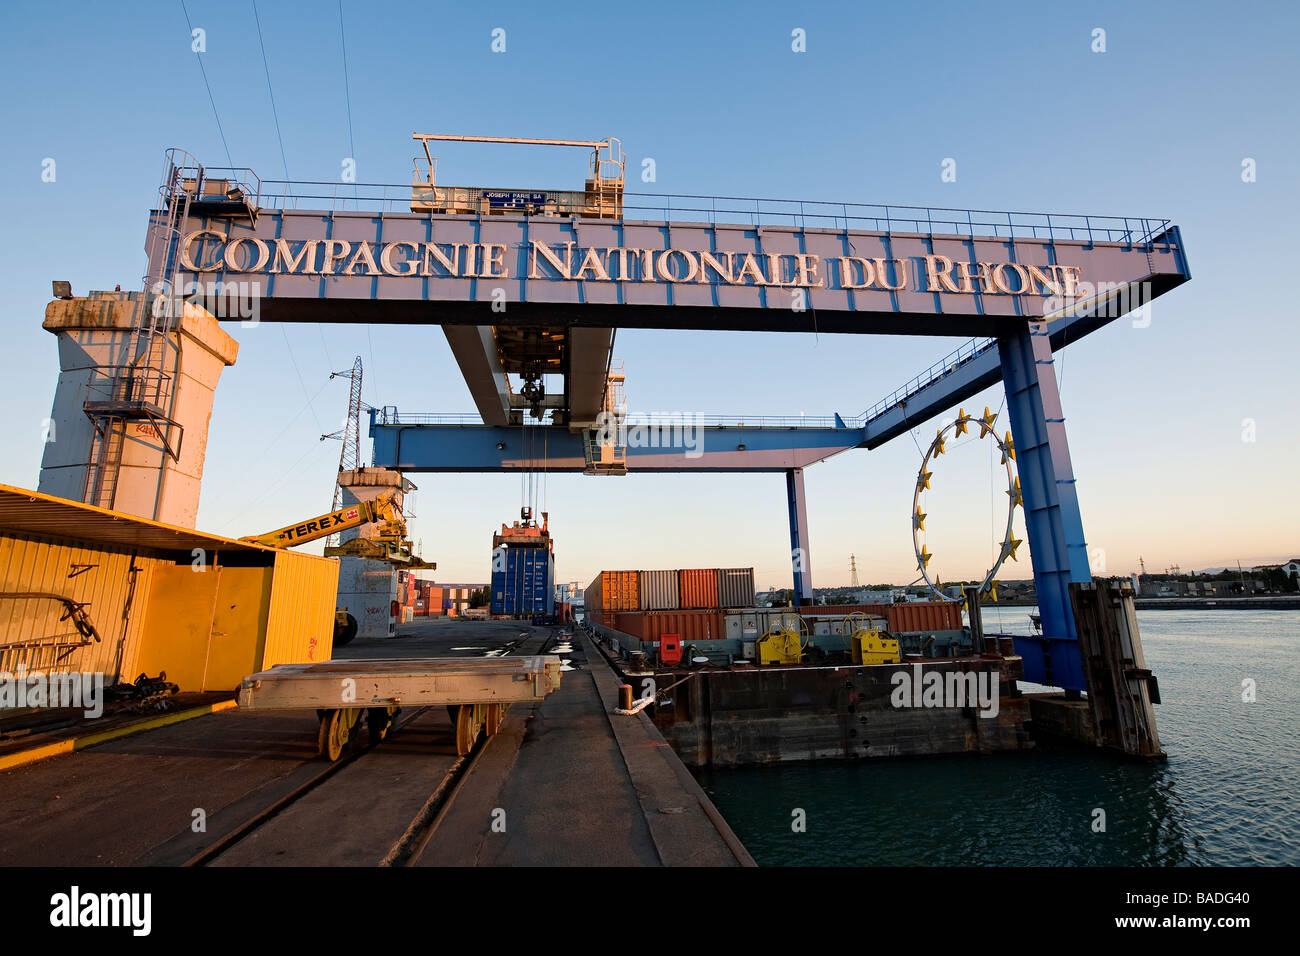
<point x="735" y="587"/>
<point x="659" y="591"/>
<point x="903" y="618"/>
<point x="524" y="583"/>
<point x="99" y="578"/>
<point x="300" y="625"/>
<point x="158" y="616"/>
<point x="618" y="590"/>
<point x="689" y="625"/>
<point x="699" y="588"/>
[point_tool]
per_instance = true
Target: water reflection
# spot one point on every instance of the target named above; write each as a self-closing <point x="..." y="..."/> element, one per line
<point x="1226" y="796"/>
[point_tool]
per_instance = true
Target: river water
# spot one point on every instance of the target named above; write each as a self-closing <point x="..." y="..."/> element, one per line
<point x="1226" y="796"/>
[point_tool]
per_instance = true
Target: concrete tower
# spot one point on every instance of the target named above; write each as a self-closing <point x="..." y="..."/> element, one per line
<point x="156" y="454"/>
<point x="367" y="588"/>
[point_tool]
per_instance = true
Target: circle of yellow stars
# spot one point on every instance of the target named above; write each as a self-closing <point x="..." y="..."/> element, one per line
<point x="1006" y="446"/>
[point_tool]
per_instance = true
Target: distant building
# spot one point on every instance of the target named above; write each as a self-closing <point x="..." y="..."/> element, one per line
<point x="1292" y="568"/>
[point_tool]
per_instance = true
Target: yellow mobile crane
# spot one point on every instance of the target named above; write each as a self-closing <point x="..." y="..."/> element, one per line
<point x="390" y="544"/>
<point x="382" y="511"/>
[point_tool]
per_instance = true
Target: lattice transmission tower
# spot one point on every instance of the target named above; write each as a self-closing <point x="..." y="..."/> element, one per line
<point x="350" y="433"/>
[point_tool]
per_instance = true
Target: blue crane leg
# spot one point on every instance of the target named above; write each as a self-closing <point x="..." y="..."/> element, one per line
<point x="797" y="503"/>
<point x="1052" y="519"/>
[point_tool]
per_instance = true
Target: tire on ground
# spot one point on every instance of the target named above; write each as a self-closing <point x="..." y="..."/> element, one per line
<point x="343" y="633"/>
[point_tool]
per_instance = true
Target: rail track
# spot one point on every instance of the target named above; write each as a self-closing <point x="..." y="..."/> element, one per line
<point x="406" y="851"/>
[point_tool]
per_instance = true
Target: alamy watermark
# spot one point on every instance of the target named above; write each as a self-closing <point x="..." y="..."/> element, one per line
<point x="916" y="687"/>
<point x="235" y="299"/>
<point x="77" y="908"/>
<point x="683" y="430"/>
<point x="37" y="689"/>
<point x="1108" y="300"/>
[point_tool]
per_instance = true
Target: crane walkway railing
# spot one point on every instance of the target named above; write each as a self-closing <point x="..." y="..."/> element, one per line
<point x="941" y="369"/>
<point x="946" y="366"/>
<point x="750" y="211"/>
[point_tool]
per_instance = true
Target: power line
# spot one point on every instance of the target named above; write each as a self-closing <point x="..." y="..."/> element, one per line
<point x="275" y="442"/>
<point x="211" y="98"/>
<point x="293" y="361"/>
<point x="325" y="347"/>
<point x="269" y="89"/>
<point x="284" y="161"/>
<point x="373" y="366"/>
<point x="347" y="87"/>
<point x="291" y="469"/>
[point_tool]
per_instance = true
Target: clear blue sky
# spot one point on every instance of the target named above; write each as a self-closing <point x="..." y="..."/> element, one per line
<point x="1158" y="125"/>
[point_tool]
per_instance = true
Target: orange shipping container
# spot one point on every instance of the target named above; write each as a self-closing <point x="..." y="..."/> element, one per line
<point x="615" y="591"/>
<point x="699" y="588"/>
<point x="650" y="626"/>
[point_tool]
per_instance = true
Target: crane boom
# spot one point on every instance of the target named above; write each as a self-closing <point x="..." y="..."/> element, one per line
<point x="382" y="509"/>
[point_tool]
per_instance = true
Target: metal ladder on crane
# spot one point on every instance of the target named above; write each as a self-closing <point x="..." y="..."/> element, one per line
<point x="605" y="187"/>
<point x="137" y="387"/>
<point x="604" y="448"/>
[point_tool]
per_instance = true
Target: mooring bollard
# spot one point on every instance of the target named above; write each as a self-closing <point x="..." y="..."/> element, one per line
<point x="625" y="696"/>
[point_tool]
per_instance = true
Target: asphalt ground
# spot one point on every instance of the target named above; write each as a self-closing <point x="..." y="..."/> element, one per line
<point x="564" y="782"/>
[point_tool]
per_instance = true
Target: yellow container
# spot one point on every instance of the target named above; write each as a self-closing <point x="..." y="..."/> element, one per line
<point x="205" y="609"/>
<point x="300" y="628"/>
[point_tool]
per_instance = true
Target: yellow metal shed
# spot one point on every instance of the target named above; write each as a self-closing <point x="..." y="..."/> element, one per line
<point x="87" y="589"/>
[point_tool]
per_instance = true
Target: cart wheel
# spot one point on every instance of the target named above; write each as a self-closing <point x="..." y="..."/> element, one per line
<point x="378" y="720"/>
<point x="495" y="712"/>
<point x="356" y="728"/>
<point x="333" y="734"/>
<point x="467" y="728"/>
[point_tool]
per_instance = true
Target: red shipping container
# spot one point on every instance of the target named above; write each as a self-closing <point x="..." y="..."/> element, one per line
<point x="698" y="588"/>
<point x="902" y="618"/>
<point x="649" y="626"/>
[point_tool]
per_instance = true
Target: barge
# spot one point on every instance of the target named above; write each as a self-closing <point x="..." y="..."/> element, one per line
<point x="724" y="701"/>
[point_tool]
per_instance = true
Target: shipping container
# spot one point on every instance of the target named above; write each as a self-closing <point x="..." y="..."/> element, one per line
<point x="522" y="585"/>
<point x="924" y="616"/>
<point x="300" y="622"/>
<point x="615" y="591"/>
<point x="659" y="591"/>
<point x="140" y="606"/>
<point x="749" y="623"/>
<point x="650" y="626"/>
<point x="915" y="616"/>
<point x="735" y="587"/>
<point x="699" y="588"/>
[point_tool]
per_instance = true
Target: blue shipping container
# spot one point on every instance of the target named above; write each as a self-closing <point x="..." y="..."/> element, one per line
<point x="523" y="582"/>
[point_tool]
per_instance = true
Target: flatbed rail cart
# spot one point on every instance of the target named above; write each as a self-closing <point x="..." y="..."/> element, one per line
<point x="475" y="691"/>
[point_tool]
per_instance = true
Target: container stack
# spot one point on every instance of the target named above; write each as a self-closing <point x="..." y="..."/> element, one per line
<point x="717" y="605"/>
<point x="703" y="589"/>
<point x="523" y="572"/>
